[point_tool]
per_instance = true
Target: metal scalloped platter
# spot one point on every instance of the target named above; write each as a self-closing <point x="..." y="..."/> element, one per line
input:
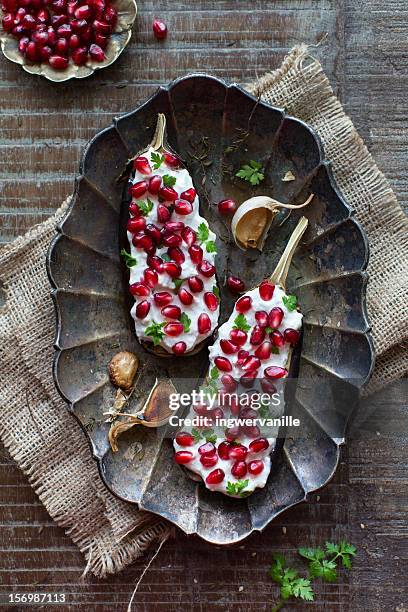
<point x="92" y="305"/>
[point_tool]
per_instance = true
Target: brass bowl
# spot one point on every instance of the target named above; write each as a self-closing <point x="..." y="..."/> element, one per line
<point x="127" y="11"/>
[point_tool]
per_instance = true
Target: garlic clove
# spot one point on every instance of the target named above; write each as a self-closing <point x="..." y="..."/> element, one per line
<point x="122" y="369"/>
<point x="156" y="411"/>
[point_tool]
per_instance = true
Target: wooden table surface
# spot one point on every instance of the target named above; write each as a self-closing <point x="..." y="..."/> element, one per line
<point x="43" y="129"/>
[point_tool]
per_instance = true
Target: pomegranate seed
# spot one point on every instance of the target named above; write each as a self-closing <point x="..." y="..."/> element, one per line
<point x="173" y="329"/>
<point x="228" y="382"/>
<point x="20" y="14"/>
<point x="239" y="469"/>
<point x="179" y="348"/>
<point x="228" y="347"/>
<point x="183" y="438"/>
<point x="235" y="284"/>
<point x="134" y="210"/>
<point x="59" y="6"/>
<point x="174" y="226"/>
<point x="196" y="284"/>
<point x="52" y="37"/>
<point x="154" y="182"/>
<point x="227" y="207"/>
<point x="141" y="241"/>
<point x="78" y="25"/>
<point x="216" y="414"/>
<point x="138" y="189"/>
<point x="243" y="304"/>
<point x="22" y="44"/>
<point x="40" y="37"/>
<point x="247" y="380"/>
<point x="162" y="298"/>
<point x="171" y="160"/>
<point x="234" y="404"/>
<point x="201" y="409"/>
<point x="251" y="363"/>
<point x="206" y="268"/>
<point x="264" y="351"/>
<point x="215" y="477"/>
<point x="242" y="356"/>
<point x="83" y="12"/>
<point x="275" y="317"/>
<point x="102" y="27"/>
<point x="238" y="452"/>
<point x="275" y="372"/>
<point x="257" y="335"/>
<point x="101" y="40"/>
<point x="71" y="8"/>
<point x="155" y="262"/>
<point x="266" y="290"/>
<point x="207" y="449"/>
<point x="43" y="16"/>
<point x="238" y="337"/>
<point x="96" y="53"/>
<point x="277" y="339"/>
<point x="176" y="254"/>
<point x="98" y="7"/>
<point x="189" y="195"/>
<point x="8" y="22"/>
<point x="111" y="15"/>
<point x="163" y="214"/>
<point x="267" y="386"/>
<point x="248" y="413"/>
<point x="18" y="31"/>
<point x="182" y="207"/>
<point x="196" y="253"/>
<point x="291" y="336"/>
<point x="159" y="29"/>
<point x="209" y="460"/>
<point x="171" y="240"/>
<point x="136" y="225"/>
<point x="183" y="457"/>
<point x="203" y="323"/>
<point x="171" y="312"/>
<point x="223" y="364"/>
<point x="142" y="309"/>
<point x="153" y="231"/>
<point x="29" y="22"/>
<point x="141" y="164"/>
<point x="185" y="296"/>
<point x="255" y="467"/>
<point x="262" y="318"/>
<point x="139" y="289"/>
<point x="232" y="433"/>
<point x="168" y="194"/>
<point x="45" y="52"/>
<point x="188" y="235"/>
<point x="58" y="62"/>
<point x="172" y="269"/>
<point x="150" y="277"/>
<point x="61" y="46"/>
<point x="223" y="450"/>
<point x="31" y="52"/>
<point x="64" y="31"/>
<point x="259" y="445"/>
<point x="74" y="42"/>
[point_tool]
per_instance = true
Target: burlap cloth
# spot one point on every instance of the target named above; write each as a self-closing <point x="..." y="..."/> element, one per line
<point x="35" y="426"/>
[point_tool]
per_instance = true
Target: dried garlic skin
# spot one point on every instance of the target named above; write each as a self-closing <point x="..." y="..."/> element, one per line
<point x="156" y="410"/>
<point x="122" y="369"/>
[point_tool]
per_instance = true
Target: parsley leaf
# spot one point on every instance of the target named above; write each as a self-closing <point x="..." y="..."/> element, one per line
<point x="155" y="331"/>
<point x="290" y="302"/>
<point x="210" y="246"/>
<point x="323" y="569"/>
<point x="157" y="160"/>
<point x="129" y="260"/>
<point x="216" y="292"/>
<point x="203" y="232"/>
<point x="165" y="257"/>
<point x="236" y="488"/>
<point x="251" y="173"/>
<point x="178" y="282"/>
<point x="275" y="350"/>
<point x="291" y="584"/>
<point x="209" y="435"/>
<point x="264" y="411"/>
<point x="186" y="321"/>
<point x="196" y="435"/>
<point x="241" y="323"/>
<point x="344" y="550"/>
<point x="145" y="207"/>
<point x="169" y="181"/>
<point x="214" y="373"/>
<point x="312" y="554"/>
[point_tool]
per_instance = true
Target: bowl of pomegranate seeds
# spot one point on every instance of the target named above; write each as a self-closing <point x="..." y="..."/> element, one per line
<point x="65" y="39"/>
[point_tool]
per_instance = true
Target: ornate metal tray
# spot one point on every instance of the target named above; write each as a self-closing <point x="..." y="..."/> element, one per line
<point x="215" y="127"/>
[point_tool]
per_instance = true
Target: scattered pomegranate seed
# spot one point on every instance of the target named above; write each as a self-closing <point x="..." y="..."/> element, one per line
<point x="8" y="22"/>
<point x="223" y="364"/>
<point x="238" y="452"/>
<point x="277" y="339"/>
<point x="196" y="253"/>
<point x="174" y="226"/>
<point x="141" y="241"/>
<point x="206" y="268"/>
<point x="227" y="207"/>
<point x="111" y="15"/>
<point x="207" y="448"/>
<point x="22" y="44"/>
<point x="251" y="363"/>
<point x="228" y="382"/>
<point x="141" y="164"/>
<point x="159" y="29"/>
<point x="275" y="317"/>
<point x="163" y="213"/>
<point x="210" y="301"/>
<point x="243" y="304"/>
<point x="196" y="284"/>
<point x="189" y="195"/>
<point x="171" y="160"/>
<point x="96" y="53"/>
<point x="256" y="446"/>
<point x="223" y="450"/>
<point x="215" y="477"/>
<point x="201" y="409"/>
<point x="182" y="207"/>
<point x="228" y="347"/>
<point x="136" y="224"/>
<point x="102" y="26"/>
<point x="188" y="235"/>
<point x="242" y="356"/>
<point x="58" y="62"/>
<point x="185" y="296"/>
<point x="262" y="318"/>
<point x="257" y="335"/>
<point x="203" y="323"/>
<point x="171" y="312"/>
<point x="275" y="372"/>
<point x="179" y="348"/>
<point x="291" y="336"/>
<point x="176" y="254"/>
<point x="74" y="42"/>
<point x="247" y="380"/>
<point x="142" y="309"/>
<point x="183" y="457"/>
<point x="153" y="232"/>
<point x="150" y="277"/>
<point x="162" y="298"/>
<point x="168" y="193"/>
<point x="264" y="351"/>
<point x="31" y="52"/>
<point x="252" y="431"/>
<point x="134" y="210"/>
<point x="235" y="284"/>
<point x="267" y="386"/>
<point x="138" y="189"/>
<point x="172" y="269"/>
<point x="234" y="403"/>
<point x="238" y="337"/>
<point x="209" y="460"/>
<point x="183" y="438"/>
<point x="62" y="46"/>
<point x="173" y="329"/>
<point x="139" y="289"/>
<point x="266" y="290"/>
<point x="232" y="433"/>
<point x="255" y="467"/>
<point x="155" y="184"/>
<point x="155" y="262"/>
<point x="171" y="240"/>
<point x="239" y="469"/>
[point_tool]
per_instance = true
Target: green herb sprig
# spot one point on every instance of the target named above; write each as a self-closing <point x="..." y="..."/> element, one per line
<point x="129" y="260"/>
<point x="251" y="173"/>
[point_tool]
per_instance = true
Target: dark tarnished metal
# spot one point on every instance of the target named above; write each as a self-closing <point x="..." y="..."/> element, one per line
<point x="215" y="128"/>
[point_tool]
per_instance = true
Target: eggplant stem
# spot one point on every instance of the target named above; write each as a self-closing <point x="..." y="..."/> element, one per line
<point x="280" y="273"/>
<point x="158" y="138"/>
